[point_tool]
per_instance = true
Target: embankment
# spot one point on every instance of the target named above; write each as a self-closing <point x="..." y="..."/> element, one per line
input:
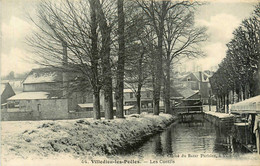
<point x="221" y="120"/>
<point x="77" y="138"/>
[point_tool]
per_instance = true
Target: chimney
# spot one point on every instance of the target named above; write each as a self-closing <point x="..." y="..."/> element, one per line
<point x="64" y="74"/>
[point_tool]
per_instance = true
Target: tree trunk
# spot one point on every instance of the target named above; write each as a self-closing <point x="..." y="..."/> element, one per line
<point x="96" y="105"/>
<point x="227" y="104"/>
<point x="243" y="92"/>
<point x="218" y="104"/>
<point x="168" y="88"/>
<point x="224" y="103"/>
<point x="140" y="82"/>
<point x="107" y="78"/>
<point x="94" y="60"/>
<point x="233" y="96"/>
<point x="158" y="70"/>
<point x="121" y="61"/>
<point x="221" y="103"/>
<point x="239" y="94"/>
<point x="138" y="98"/>
<point x="105" y="58"/>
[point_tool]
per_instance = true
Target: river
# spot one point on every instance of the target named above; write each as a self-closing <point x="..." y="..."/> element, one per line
<point x="197" y="142"/>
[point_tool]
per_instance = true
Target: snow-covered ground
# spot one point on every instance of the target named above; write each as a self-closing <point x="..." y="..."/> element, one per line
<point x="219" y="115"/>
<point x="206" y="108"/>
<point x="81" y="138"/>
<point x="214" y="113"/>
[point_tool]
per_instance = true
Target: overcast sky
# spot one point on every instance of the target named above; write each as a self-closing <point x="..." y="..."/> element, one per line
<point x="221" y="18"/>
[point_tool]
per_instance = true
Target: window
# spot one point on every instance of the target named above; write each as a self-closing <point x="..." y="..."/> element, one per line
<point x="131" y="95"/>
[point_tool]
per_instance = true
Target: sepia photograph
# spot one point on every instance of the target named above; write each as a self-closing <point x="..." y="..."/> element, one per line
<point x="130" y="82"/>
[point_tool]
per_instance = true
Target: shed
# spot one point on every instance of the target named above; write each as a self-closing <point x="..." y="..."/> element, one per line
<point x="85" y="107"/>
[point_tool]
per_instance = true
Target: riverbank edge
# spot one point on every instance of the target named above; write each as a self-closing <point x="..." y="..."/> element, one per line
<point x="156" y="129"/>
<point x="221" y="120"/>
<point x="84" y="137"/>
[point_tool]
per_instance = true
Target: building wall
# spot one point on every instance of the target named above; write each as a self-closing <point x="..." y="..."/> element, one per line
<point x="146" y="98"/>
<point x="54" y="109"/>
<point x="16" y="116"/>
<point x="50" y="109"/>
<point x="194" y="85"/>
<point x="204" y="90"/>
<point x="75" y="99"/>
<point x="42" y="87"/>
<point x="81" y="114"/>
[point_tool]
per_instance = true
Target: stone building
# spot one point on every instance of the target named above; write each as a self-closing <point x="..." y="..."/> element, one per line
<point x="46" y="96"/>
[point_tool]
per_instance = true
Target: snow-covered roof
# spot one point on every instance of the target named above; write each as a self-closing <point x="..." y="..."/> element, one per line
<point x="125" y="107"/>
<point x="251" y="105"/>
<point x="30" y="96"/>
<point x="43" y="75"/>
<point x="187" y="92"/>
<point x="86" y="105"/>
<point x="128" y="90"/>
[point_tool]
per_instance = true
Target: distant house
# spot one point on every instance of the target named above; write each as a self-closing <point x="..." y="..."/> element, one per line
<point x="180" y="94"/>
<point x="6" y="92"/>
<point x="198" y="81"/>
<point x="185" y="99"/>
<point x="146" y="97"/>
<point x="45" y="96"/>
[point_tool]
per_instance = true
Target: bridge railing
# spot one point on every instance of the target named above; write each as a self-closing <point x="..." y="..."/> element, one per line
<point x="188" y="109"/>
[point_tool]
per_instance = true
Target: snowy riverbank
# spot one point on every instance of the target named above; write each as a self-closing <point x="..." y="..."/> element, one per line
<point x="76" y="138"/>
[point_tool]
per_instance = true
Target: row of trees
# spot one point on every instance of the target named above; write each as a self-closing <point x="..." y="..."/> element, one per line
<point x="126" y="41"/>
<point x="239" y="71"/>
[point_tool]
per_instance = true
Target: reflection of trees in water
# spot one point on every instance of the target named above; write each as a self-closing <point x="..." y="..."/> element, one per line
<point x="225" y="143"/>
<point x="158" y="145"/>
<point x="168" y="141"/>
<point x="163" y="143"/>
<point x="183" y="138"/>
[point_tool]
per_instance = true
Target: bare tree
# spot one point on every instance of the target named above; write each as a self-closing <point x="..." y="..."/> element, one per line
<point x="105" y="30"/>
<point x="94" y="60"/>
<point x="181" y="39"/>
<point x="138" y="69"/>
<point x="156" y="14"/>
<point x="119" y="95"/>
<point x="139" y="43"/>
<point x="66" y="39"/>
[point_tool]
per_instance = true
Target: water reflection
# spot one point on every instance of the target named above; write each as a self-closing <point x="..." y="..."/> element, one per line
<point x="158" y="145"/>
<point x="200" y="137"/>
<point x="168" y="141"/>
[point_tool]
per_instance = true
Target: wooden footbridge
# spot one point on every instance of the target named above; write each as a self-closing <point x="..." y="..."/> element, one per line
<point x="189" y="113"/>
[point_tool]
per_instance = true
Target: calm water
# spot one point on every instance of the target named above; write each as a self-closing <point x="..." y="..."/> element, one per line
<point x="198" y="140"/>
